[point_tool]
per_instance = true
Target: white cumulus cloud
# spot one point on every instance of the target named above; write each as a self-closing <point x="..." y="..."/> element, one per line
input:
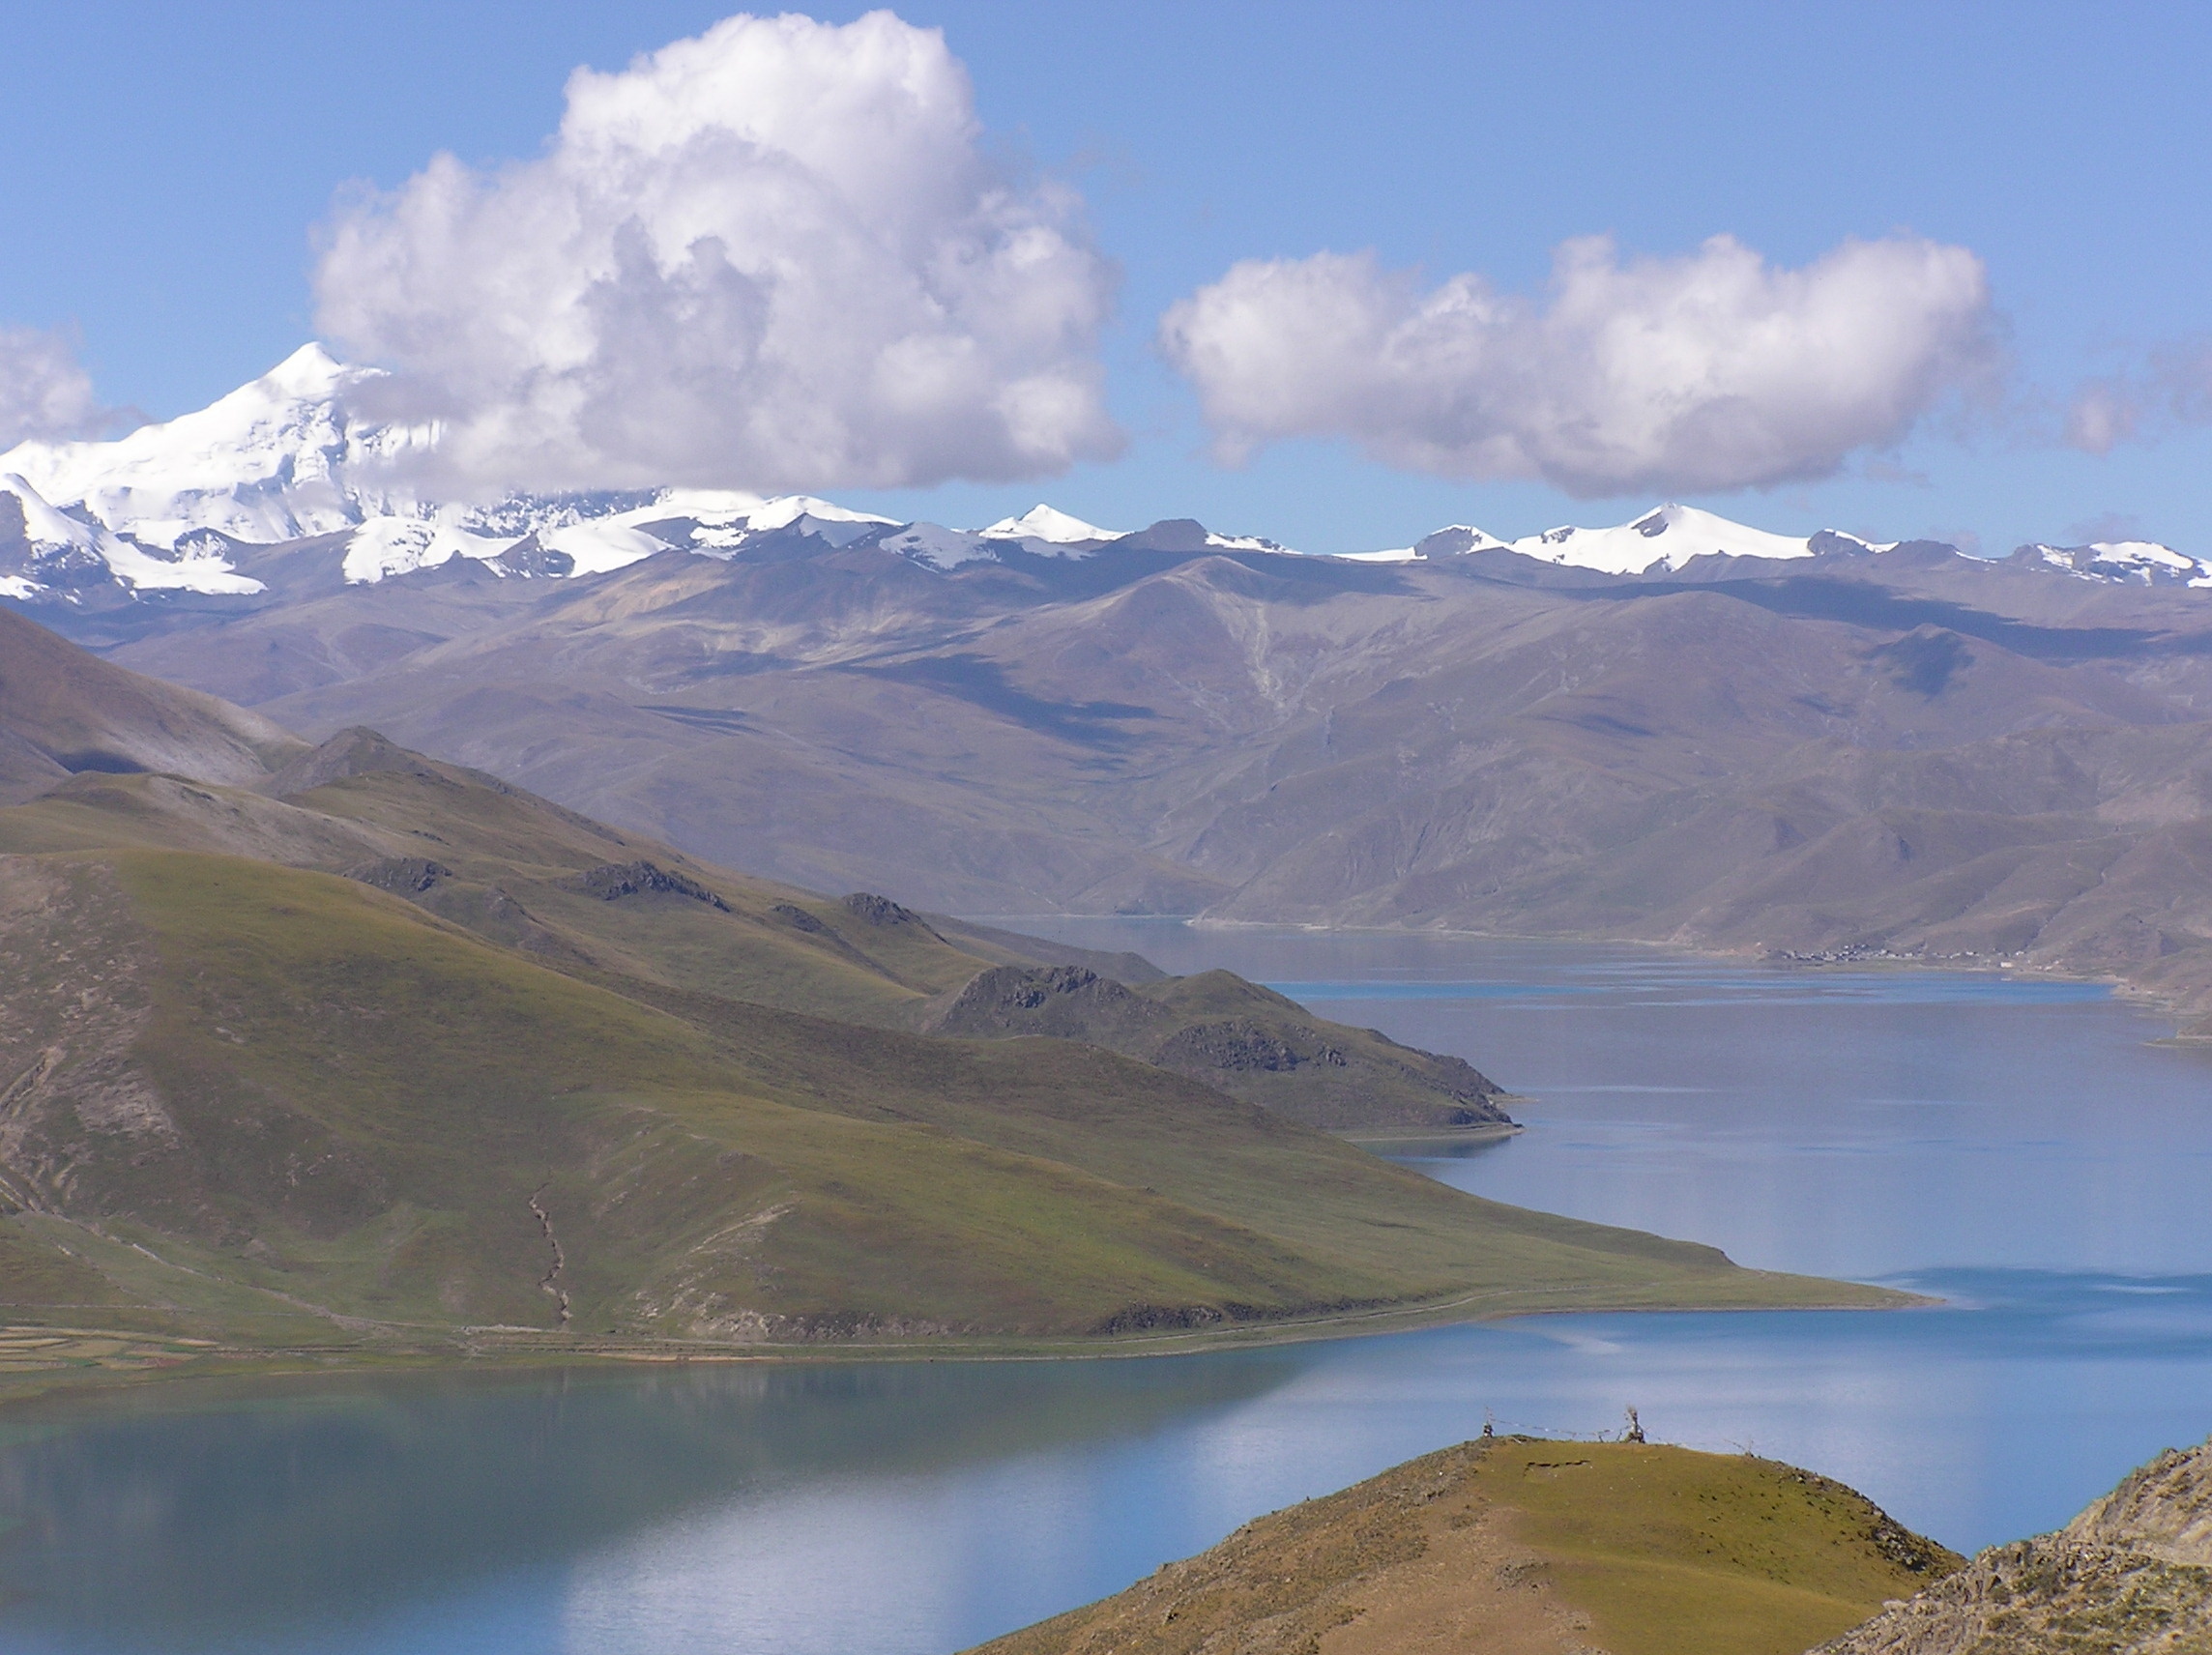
<point x="775" y="257"/>
<point x="44" y="391"/>
<point x="1710" y="370"/>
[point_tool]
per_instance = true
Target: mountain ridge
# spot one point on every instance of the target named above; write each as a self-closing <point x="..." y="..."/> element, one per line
<point x="189" y="507"/>
<point x="1826" y="750"/>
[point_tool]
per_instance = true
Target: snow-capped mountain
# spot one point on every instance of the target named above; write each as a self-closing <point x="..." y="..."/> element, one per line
<point x="1042" y="523"/>
<point x="278" y="459"/>
<point x="65" y="554"/>
<point x="173" y="507"/>
<point x="297" y="459"/>
<point x="2143" y="562"/>
<point x="1666" y="537"/>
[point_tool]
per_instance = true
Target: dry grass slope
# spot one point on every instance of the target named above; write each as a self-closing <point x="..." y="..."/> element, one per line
<point x="1524" y="1547"/>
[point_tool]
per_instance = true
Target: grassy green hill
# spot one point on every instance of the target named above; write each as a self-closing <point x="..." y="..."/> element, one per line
<point x="526" y="1101"/>
<point x="255" y="1098"/>
<point x="1235" y="1035"/>
<point x="1524" y="1547"/>
<point x="382" y="1053"/>
<point x="585" y="897"/>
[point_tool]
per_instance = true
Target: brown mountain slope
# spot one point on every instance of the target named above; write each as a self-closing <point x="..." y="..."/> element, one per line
<point x="1522" y="1547"/>
<point x="1909" y="754"/>
<point x="64" y="712"/>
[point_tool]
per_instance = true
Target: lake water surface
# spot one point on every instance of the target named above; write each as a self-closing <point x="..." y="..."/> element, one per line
<point x="2018" y="1149"/>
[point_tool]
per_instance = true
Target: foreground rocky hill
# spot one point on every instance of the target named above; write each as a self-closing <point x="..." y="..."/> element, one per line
<point x="2131" y="1576"/>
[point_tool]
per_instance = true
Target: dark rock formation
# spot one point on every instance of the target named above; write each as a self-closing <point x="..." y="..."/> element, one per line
<point x="2131" y="1576"/>
<point x="610" y="882"/>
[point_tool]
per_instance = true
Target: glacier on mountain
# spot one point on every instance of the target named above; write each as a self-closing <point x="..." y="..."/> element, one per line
<point x="278" y="460"/>
<point x="292" y="456"/>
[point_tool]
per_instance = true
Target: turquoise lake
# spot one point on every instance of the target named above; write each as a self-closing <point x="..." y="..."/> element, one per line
<point x="2021" y="1149"/>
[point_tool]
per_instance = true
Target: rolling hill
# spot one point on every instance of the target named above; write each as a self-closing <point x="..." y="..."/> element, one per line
<point x="379" y="1053"/>
<point x="1525" y="1547"/>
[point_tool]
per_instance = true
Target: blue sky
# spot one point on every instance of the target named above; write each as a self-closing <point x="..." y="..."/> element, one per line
<point x="164" y="172"/>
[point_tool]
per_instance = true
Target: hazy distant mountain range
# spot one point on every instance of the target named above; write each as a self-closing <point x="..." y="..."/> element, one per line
<point x="1681" y="728"/>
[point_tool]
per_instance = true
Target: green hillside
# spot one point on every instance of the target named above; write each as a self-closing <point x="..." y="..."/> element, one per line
<point x="375" y="1054"/>
<point x="583" y="897"/>
<point x="280" y="1106"/>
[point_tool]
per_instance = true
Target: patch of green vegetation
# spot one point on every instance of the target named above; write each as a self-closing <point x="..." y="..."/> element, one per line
<point x="767" y="943"/>
<point x="36" y="1276"/>
<point x="1677" y="1552"/>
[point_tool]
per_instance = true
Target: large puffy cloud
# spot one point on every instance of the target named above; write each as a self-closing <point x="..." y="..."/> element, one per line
<point x="774" y="256"/>
<point x="1713" y="370"/>
<point x="43" y="390"/>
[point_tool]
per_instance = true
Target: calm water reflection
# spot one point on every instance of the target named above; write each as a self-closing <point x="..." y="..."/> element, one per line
<point x="2014" y="1147"/>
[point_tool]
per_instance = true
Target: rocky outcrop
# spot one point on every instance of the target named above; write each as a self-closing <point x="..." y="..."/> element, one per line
<point x="873" y="910"/>
<point x="402" y="875"/>
<point x="610" y="882"/>
<point x="2131" y="1576"/>
<point x="1067" y="1001"/>
<point x="1271" y="1051"/>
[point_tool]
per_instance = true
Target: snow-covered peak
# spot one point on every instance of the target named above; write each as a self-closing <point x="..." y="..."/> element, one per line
<point x="1245" y="543"/>
<point x="1671" y="536"/>
<point x="1456" y="540"/>
<point x="937" y="546"/>
<point x="277" y="459"/>
<point x="295" y="455"/>
<point x="1666" y="538"/>
<point x="308" y="374"/>
<point x="2144" y="561"/>
<point x="1042" y="522"/>
<point x="782" y="512"/>
<point x="43" y="525"/>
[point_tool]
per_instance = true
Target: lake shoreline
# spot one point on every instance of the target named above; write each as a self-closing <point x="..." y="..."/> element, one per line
<point x="147" y="1359"/>
<point x="2191" y="1010"/>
